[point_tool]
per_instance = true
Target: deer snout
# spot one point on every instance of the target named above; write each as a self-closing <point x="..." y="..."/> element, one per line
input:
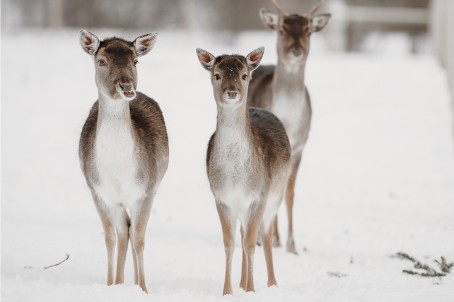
<point x="231" y="95"/>
<point x="297" y="51"/>
<point x="126" y="90"/>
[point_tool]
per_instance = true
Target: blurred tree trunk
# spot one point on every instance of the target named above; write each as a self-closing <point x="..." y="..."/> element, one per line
<point x="55" y="12"/>
<point x="442" y="27"/>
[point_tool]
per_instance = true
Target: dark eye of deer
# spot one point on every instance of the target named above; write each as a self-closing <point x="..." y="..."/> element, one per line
<point x="101" y="62"/>
<point x="244" y="77"/>
<point x="135" y="62"/>
<point x="217" y="77"/>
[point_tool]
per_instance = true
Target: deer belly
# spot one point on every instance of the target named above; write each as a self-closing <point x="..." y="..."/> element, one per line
<point x="237" y="198"/>
<point x="119" y="187"/>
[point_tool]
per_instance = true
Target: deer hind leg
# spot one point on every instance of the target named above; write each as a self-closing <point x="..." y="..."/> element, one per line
<point x="110" y="236"/>
<point x="134" y="258"/>
<point x="243" y="281"/>
<point x="275" y="233"/>
<point x="268" y="251"/>
<point x="289" y="200"/>
<point x="123" y="222"/>
<point x="251" y="229"/>
<point x="139" y="220"/>
<point x="228" y="223"/>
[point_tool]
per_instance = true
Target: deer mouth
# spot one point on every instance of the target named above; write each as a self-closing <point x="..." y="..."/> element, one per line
<point x="126" y="91"/>
<point x="129" y="94"/>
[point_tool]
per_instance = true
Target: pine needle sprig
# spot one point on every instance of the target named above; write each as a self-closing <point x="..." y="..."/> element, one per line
<point x="444" y="266"/>
<point x="424" y="269"/>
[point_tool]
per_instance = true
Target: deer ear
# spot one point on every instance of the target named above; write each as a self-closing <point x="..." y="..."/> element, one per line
<point x="145" y="43"/>
<point x="269" y="19"/>
<point x="88" y="41"/>
<point x="254" y="57"/>
<point x="320" y="21"/>
<point x="205" y="58"/>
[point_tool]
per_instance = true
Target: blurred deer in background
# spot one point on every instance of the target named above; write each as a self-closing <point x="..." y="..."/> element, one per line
<point x="248" y="163"/>
<point x="281" y="89"/>
<point x="123" y="149"/>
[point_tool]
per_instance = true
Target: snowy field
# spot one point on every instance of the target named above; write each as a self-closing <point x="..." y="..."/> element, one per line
<point x="377" y="178"/>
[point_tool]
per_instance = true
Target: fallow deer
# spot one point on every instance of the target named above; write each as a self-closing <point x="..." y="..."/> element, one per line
<point x="248" y="162"/>
<point x="123" y="149"/>
<point x="281" y="89"/>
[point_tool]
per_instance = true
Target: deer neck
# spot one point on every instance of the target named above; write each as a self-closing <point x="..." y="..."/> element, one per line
<point x="114" y="125"/>
<point x="289" y="77"/>
<point x="234" y="125"/>
<point x="114" y="111"/>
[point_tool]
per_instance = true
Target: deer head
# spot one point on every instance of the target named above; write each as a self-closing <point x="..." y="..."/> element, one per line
<point x="115" y="63"/>
<point x="230" y="74"/>
<point x="294" y="30"/>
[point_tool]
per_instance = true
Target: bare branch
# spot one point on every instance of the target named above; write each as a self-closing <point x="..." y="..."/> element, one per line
<point x="66" y="259"/>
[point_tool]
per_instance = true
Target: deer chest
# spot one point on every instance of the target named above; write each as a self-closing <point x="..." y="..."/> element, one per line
<point x="117" y="165"/>
<point x="294" y="112"/>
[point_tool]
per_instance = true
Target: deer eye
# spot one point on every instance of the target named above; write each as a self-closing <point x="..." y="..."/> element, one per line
<point x="135" y="62"/>
<point x="101" y="62"/>
<point x="217" y="76"/>
<point x="244" y="77"/>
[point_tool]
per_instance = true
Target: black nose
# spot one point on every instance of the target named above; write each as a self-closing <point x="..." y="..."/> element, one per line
<point x="232" y="94"/>
<point x="125" y="86"/>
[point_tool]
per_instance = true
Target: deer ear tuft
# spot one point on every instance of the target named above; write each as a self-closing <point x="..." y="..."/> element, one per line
<point x="205" y="58"/>
<point x="88" y="41"/>
<point x="320" y="21"/>
<point x="254" y="57"/>
<point x="145" y="43"/>
<point x="269" y="19"/>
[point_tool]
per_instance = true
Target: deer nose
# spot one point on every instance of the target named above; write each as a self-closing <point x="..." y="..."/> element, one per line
<point x="297" y="52"/>
<point x="232" y="94"/>
<point x="125" y="86"/>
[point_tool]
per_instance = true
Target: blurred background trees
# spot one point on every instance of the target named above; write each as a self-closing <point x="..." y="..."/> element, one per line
<point x="354" y="24"/>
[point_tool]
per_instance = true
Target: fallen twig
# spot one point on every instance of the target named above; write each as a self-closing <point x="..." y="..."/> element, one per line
<point x="46" y="267"/>
<point x="67" y="257"/>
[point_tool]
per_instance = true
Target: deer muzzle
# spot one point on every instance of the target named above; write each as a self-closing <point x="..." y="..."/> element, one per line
<point x="231" y="95"/>
<point x="297" y="52"/>
<point x="126" y="91"/>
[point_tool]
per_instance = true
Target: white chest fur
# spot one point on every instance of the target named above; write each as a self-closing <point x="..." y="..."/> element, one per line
<point x="117" y="162"/>
<point x="233" y="153"/>
<point x="291" y="111"/>
<point x="233" y="161"/>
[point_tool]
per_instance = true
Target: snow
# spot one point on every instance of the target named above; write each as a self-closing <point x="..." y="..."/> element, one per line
<point x="377" y="177"/>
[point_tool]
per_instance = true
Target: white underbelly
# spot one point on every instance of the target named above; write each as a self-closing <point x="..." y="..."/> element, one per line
<point x="119" y="187"/>
<point x="238" y="199"/>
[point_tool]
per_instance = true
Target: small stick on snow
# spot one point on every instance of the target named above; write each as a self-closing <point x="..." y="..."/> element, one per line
<point x="67" y="257"/>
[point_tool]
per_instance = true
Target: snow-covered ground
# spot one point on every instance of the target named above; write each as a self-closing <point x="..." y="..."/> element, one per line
<point x="377" y="178"/>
